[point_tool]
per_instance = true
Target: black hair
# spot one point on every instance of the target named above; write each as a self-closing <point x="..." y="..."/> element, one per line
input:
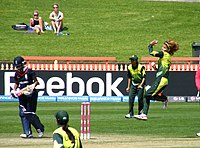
<point x="69" y="133"/>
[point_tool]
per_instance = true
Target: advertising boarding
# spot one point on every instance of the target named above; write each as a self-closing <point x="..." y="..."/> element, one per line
<point x="97" y="83"/>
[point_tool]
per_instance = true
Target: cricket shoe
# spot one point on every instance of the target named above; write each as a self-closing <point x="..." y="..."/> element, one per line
<point x="26" y="136"/>
<point x="141" y="117"/>
<point x="165" y="104"/>
<point x="40" y="133"/>
<point x="128" y="116"/>
<point x="198" y="134"/>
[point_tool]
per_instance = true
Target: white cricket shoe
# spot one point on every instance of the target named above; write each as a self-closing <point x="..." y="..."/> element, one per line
<point x="40" y="134"/>
<point x="23" y="136"/>
<point x="128" y="116"/>
<point x="26" y="136"/>
<point x="141" y="117"/>
<point x="165" y="104"/>
<point x="198" y="134"/>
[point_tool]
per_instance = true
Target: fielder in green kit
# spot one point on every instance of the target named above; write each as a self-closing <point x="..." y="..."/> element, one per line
<point x="168" y="49"/>
<point x="65" y="136"/>
<point x="136" y="84"/>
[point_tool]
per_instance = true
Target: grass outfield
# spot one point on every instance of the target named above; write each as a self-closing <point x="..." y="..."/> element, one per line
<point x="116" y="28"/>
<point x="180" y="121"/>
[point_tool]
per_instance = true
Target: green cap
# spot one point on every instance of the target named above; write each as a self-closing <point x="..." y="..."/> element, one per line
<point x="62" y="117"/>
<point x="133" y="57"/>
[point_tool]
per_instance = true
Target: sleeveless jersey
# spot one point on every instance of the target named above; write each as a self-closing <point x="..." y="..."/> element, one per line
<point x="137" y="74"/>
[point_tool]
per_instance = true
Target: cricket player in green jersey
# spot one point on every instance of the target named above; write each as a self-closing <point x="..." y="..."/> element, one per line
<point x="168" y="49"/>
<point x="65" y="136"/>
<point x="136" y="84"/>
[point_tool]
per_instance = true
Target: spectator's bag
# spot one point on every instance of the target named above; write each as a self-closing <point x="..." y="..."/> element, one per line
<point x="20" y="26"/>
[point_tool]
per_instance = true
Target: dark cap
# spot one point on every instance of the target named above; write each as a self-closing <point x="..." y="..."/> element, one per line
<point x="62" y="117"/>
<point x="133" y="58"/>
<point x="19" y="61"/>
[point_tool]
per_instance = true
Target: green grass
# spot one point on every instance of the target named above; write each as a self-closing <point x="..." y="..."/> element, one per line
<point x="180" y="120"/>
<point x="116" y="28"/>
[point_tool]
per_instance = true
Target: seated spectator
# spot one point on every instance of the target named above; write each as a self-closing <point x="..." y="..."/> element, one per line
<point x="36" y="23"/>
<point x="56" y="18"/>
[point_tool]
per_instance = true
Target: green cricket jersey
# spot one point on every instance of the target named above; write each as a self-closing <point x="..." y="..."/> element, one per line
<point x="62" y="138"/>
<point x="164" y="62"/>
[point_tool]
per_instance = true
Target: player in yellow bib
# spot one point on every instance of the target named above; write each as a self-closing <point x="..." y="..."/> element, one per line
<point x="65" y="136"/>
<point x="136" y="84"/>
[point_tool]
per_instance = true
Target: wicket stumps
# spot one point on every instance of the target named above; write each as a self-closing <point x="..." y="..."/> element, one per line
<point x="85" y="120"/>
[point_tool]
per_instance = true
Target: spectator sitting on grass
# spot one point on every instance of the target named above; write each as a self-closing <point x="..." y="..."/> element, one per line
<point x="36" y="23"/>
<point x="56" y="18"/>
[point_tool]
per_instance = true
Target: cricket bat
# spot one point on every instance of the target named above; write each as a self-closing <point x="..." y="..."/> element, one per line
<point x="26" y="91"/>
